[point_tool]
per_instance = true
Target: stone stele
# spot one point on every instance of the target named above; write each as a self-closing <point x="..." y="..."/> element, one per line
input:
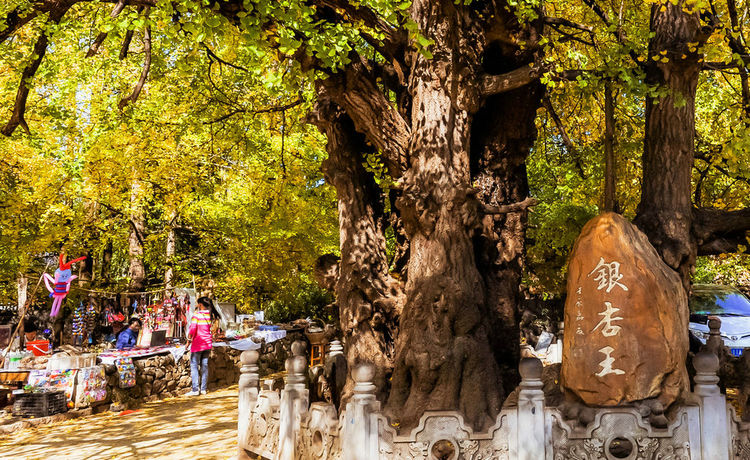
<point x="626" y="319"/>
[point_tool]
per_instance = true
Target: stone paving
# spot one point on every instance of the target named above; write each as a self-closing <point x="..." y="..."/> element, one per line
<point x="203" y="427"/>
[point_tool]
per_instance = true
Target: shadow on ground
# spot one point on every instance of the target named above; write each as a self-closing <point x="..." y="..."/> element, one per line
<point x="203" y="427"/>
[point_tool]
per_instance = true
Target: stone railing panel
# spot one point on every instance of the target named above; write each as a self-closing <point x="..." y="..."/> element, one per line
<point x="621" y="433"/>
<point x="263" y="428"/>
<point x="319" y="435"/>
<point x="439" y="433"/>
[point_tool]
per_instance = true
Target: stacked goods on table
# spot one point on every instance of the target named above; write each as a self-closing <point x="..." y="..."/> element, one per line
<point x="61" y="361"/>
<point x="63" y="380"/>
<point x="40" y="403"/>
<point x="33" y="362"/>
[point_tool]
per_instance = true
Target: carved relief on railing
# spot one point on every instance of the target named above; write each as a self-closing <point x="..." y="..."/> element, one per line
<point x="445" y="435"/>
<point x="319" y="436"/>
<point x="263" y="429"/>
<point x="621" y="433"/>
<point x="740" y="436"/>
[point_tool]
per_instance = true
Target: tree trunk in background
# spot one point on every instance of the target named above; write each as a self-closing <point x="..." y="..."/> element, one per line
<point x="610" y="168"/>
<point x="368" y="298"/>
<point x="665" y="211"/>
<point x="23" y="291"/>
<point x="86" y="276"/>
<point x="170" y="252"/>
<point x="136" y="269"/>
<point x="106" y="266"/>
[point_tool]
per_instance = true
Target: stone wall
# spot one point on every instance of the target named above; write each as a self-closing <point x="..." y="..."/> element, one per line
<point x="159" y="377"/>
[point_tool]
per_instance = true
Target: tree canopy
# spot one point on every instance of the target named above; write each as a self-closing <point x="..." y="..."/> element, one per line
<point x="436" y="125"/>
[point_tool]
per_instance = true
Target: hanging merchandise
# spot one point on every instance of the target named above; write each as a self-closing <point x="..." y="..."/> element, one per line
<point x="126" y="371"/>
<point x="60" y="283"/>
<point x="79" y="325"/>
<point x="90" y="322"/>
<point x="91" y="386"/>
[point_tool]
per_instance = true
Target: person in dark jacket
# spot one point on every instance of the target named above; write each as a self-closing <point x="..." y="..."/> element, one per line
<point x="129" y="337"/>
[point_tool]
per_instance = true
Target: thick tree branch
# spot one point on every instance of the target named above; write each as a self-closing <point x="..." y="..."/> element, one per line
<point x="520" y="77"/>
<point x="372" y="113"/>
<point x="144" y="73"/>
<point x="718" y="231"/>
<point x="15" y="19"/>
<point x="40" y="48"/>
<point x="509" y="208"/>
<point x="94" y="48"/>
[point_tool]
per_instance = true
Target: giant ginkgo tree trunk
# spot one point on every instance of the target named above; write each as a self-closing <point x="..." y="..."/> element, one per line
<point x="454" y="138"/>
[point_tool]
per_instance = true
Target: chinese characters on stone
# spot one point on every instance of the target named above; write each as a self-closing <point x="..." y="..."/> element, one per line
<point x="608" y="276"/>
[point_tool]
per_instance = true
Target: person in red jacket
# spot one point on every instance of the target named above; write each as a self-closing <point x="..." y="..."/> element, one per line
<point x="200" y="342"/>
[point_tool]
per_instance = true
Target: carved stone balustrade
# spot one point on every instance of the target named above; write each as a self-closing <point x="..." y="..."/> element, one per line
<point x="295" y="400"/>
<point x="283" y="427"/>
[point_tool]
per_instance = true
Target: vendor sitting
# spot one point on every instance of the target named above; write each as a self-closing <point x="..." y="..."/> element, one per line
<point x="129" y="337"/>
<point x="29" y="330"/>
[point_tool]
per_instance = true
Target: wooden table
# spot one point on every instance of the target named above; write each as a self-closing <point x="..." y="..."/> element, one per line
<point x="13" y="376"/>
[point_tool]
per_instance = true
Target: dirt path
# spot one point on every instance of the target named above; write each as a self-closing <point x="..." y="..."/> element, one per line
<point x="203" y="427"/>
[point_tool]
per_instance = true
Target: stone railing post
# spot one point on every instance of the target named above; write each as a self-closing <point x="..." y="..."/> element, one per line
<point x="360" y="433"/>
<point x="531" y="439"/>
<point x="714" y="419"/>
<point x="714" y="343"/>
<point x="294" y="402"/>
<point x="335" y="348"/>
<point x="248" y="392"/>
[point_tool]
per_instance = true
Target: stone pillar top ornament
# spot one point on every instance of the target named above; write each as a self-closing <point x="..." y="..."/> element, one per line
<point x="295" y="366"/>
<point x="706" y="365"/>
<point x="714" y="343"/>
<point x="531" y="379"/>
<point x="336" y="348"/>
<point x="249" y="357"/>
<point x="363" y="375"/>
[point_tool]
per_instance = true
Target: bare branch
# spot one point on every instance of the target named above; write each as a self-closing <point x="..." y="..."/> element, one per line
<point x="572" y="151"/>
<point x="567" y="23"/>
<point x="357" y="11"/>
<point x="617" y="32"/>
<point x="94" y="48"/>
<point x="126" y="44"/>
<point x="213" y="55"/>
<point x="509" y="208"/>
<point x="737" y="47"/>
<point x="278" y="108"/>
<point x="144" y="73"/>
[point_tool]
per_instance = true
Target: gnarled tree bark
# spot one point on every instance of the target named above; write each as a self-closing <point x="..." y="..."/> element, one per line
<point x="368" y="298"/>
